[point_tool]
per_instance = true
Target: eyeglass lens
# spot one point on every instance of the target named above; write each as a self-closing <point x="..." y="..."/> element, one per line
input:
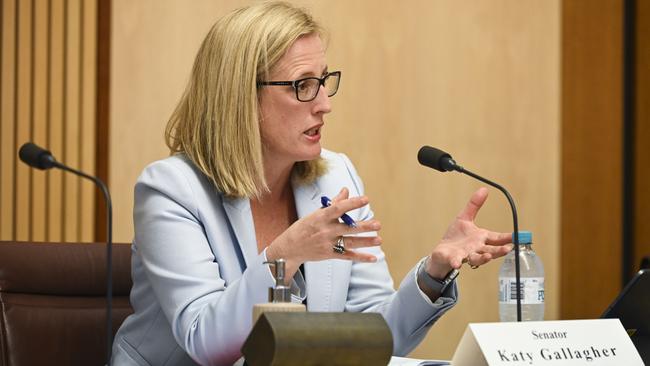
<point x="308" y="88"/>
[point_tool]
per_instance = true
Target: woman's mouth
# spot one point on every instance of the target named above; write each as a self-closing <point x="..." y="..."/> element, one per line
<point x="312" y="131"/>
<point x="313" y="134"/>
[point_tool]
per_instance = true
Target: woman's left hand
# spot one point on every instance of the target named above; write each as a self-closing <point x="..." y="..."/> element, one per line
<point x="464" y="242"/>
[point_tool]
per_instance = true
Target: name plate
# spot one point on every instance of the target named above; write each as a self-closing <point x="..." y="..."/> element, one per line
<point x="565" y="342"/>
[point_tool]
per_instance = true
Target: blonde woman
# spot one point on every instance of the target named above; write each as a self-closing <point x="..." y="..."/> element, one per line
<point x="243" y="186"/>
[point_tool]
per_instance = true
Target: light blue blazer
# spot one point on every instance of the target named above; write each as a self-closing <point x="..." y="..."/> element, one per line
<point x="197" y="272"/>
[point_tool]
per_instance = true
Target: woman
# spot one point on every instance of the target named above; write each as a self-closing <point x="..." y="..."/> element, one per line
<point x="243" y="186"/>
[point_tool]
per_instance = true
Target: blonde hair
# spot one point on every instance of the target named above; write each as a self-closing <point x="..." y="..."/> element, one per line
<point x="216" y="121"/>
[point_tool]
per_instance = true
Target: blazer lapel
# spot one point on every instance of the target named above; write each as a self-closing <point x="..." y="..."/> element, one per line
<point x="240" y="216"/>
<point x="318" y="275"/>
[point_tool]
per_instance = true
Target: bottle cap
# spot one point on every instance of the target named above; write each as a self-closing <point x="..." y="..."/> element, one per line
<point x="525" y="237"/>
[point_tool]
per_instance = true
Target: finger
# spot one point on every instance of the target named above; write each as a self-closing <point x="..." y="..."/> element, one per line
<point x="503" y="250"/>
<point x="494" y="238"/>
<point x="474" y="205"/>
<point x="361" y="241"/>
<point x="495" y="251"/>
<point x="343" y="194"/>
<point x="339" y="208"/>
<point x="356" y="256"/>
<point x="456" y="259"/>
<point x="362" y="227"/>
<point x="476" y="259"/>
<point x="456" y="262"/>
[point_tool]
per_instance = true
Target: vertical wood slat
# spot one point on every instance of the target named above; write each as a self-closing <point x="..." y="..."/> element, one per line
<point x="642" y="129"/>
<point x="591" y="225"/>
<point x="23" y="119"/>
<point x="87" y="143"/>
<point x="39" y="111"/>
<point x="102" y="99"/>
<point x="7" y="126"/>
<point x="55" y="137"/>
<point x="71" y="120"/>
<point x="48" y="92"/>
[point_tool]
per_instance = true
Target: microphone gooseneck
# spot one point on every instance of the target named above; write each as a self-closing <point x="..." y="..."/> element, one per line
<point x="443" y="162"/>
<point x="39" y="158"/>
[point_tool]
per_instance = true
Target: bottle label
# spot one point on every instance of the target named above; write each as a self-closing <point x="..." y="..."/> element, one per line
<point x="531" y="289"/>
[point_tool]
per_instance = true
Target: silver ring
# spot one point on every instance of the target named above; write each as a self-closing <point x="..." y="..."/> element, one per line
<point x="339" y="246"/>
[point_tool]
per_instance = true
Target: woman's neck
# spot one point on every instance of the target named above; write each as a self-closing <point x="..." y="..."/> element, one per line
<point x="278" y="180"/>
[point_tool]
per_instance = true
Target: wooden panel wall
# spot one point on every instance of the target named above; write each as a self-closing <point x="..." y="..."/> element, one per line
<point x="592" y="125"/>
<point x="48" y="97"/>
<point x="642" y="128"/>
<point x="479" y="78"/>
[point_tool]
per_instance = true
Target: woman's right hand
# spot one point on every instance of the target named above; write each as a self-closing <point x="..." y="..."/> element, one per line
<point x="312" y="238"/>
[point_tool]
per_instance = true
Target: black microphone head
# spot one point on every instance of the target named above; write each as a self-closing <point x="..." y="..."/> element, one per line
<point x="436" y="159"/>
<point x="35" y="156"/>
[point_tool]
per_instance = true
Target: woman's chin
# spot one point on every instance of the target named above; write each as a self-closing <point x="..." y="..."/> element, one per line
<point x="313" y="154"/>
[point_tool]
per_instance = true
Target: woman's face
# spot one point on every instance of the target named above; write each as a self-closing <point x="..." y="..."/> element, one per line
<point x="291" y="129"/>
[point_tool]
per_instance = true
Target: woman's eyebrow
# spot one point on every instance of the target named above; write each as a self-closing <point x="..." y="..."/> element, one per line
<point x="310" y="74"/>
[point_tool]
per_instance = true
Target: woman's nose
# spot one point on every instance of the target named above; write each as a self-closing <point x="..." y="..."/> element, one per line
<point x="322" y="101"/>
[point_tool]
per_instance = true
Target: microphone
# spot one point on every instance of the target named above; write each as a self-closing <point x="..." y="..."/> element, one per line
<point x="39" y="158"/>
<point x="443" y="162"/>
<point x="436" y="159"/>
<point x="36" y="157"/>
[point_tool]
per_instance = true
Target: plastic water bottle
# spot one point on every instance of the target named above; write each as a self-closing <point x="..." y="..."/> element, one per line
<point x="531" y="283"/>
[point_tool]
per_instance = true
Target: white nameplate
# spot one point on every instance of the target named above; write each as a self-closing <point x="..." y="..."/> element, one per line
<point x="565" y="342"/>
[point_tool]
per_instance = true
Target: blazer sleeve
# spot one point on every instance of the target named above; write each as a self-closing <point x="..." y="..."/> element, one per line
<point x="408" y="311"/>
<point x="208" y="319"/>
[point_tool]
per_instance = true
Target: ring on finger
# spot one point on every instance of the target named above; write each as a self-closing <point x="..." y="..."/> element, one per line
<point x="339" y="246"/>
<point x="466" y="260"/>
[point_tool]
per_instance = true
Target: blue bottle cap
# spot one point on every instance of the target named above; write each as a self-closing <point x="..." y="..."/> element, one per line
<point x="525" y="237"/>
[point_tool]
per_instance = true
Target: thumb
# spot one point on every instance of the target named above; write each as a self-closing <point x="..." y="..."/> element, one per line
<point x="343" y="194"/>
<point x="474" y="205"/>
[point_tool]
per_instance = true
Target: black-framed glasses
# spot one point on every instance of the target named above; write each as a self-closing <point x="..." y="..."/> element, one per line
<point x="307" y="88"/>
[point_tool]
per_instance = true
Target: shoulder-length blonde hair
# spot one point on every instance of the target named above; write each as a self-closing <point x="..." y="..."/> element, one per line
<point x="216" y="121"/>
